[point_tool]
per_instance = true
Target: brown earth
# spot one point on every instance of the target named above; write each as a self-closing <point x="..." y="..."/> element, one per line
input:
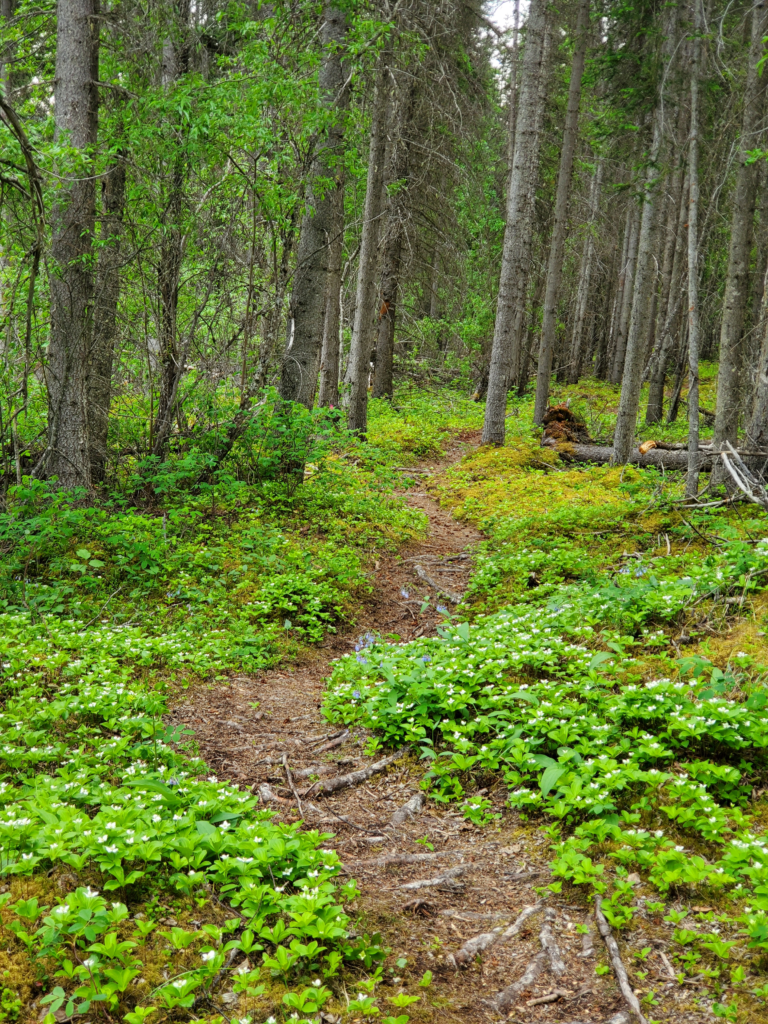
<point x="243" y="730"/>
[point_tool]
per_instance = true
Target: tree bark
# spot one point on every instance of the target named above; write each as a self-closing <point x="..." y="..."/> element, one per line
<point x="585" y="277"/>
<point x="72" y="222"/>
<point x="659" y="361"/>
<point x="320" y="226"/>
<point x="105" y="317"/>
<point x="518" y="199"/>
<point x="692" y="479"/>
<point x="329" y="358"/>
<point x="557" y="243"/>
<point x="659" y="457"/>
<point x="176" y="54"/>
<point x="363" y="333"/>
<point x="393" y="249"/>
<point x="627" y="292"/>
<point x="737" y="277"/>
<point x="626" y="418"/>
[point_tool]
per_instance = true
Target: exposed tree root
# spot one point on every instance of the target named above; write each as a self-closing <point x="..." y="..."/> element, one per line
<point x="453" y="598"/>
<point x="409" y="810"/>
<point x="472" y="947"/>
<point x="447" y="876"/>
<point x="509" y="996"/>
<point x="549" y="943"/>
<point x="618" y="967"/>
<point x="353" y="778"/>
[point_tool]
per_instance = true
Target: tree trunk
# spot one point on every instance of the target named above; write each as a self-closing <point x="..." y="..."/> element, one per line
<point x="585" y="277"/>
<point x="518" y="198"/>
<point x="627" y="291"/>
<point x="737" y="277"/>
<point x="363" y="334"/>
<point x="658" y="457"/>
<point x="393" y="249"/>
<point x="319" y="227"/>
<point x="72" y="222"/>
<point x="637" y="335"/>
<point x="692" y="479"/>
<point x="557" y="244"/>
<point x="659" y="361"/>
<point x="329" y="359"/>
<point x="176" y="54"/>
<point x="105" y="317"/>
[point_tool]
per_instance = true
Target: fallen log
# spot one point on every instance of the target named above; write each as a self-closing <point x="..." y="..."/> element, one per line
<point x="602" y="455"/>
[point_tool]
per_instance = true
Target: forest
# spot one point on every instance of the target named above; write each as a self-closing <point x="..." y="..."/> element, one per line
<point x="383" y="497"/>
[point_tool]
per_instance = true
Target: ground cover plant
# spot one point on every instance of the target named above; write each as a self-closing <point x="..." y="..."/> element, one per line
<point x="566" y="684"/>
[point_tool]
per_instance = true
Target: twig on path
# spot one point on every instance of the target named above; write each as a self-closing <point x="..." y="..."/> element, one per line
<point x="268" y="795"/>
<point x="552" y="997"/>
<point x="354" y="778"/>
<point x="328" y="736"/>
<point x="341" y="817"/>
<point x="618" y="967"/>
<point x="292" y="785"/>
<point x="406" y="858"/>
<point x="453" y="598"/>
<point x="481" y="942"/>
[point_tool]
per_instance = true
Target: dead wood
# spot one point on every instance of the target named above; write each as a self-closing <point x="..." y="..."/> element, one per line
<point x="354" y="778"/>
<point x="447" y="876"/>
<point x="602" y="455"/>
<point x="618" y="967"/>
<point x="292" y="785"/>
<point x="409" y="810"/>
<point x="742" y="476"/>
<point x="453" y="598"/>
<point x="472" y="947"/>
<point x="552" y="997"/>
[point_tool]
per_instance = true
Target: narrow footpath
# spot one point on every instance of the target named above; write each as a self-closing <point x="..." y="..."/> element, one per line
<point x="448" y="897"/>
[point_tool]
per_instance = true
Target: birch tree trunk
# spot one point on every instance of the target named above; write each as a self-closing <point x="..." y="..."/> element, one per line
<point x="105" y="317"/>
<point x="364" y="330"/>
<point x="585" y="277"/>
<point x="737" y="277"/>
<point x="72" y="223"/>
<point x="518" y="199"/>
<point x="692" y="477"/>
<point x="320" y="226"/>
<point x="557" y="244"/>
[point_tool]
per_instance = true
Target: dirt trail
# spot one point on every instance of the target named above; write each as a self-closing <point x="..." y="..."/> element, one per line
<point x="492" y="871"/>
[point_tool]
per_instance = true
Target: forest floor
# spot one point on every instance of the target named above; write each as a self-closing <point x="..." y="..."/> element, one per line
<point x="248" y="731"/>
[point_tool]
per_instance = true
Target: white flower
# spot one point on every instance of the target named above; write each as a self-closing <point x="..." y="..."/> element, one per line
<point x="209" y="955"/>
<point x="156" y="818"/>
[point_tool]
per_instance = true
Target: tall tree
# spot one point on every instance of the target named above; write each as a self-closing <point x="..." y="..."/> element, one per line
<point x="72" y="226"/>
<point x="363" y="334"/>
<point x="176" y="58"/>
<point x="100" y="359"/>
<point x="585" y="277"/>
<point x="692" y="478"/>
<point x="518" y="200"/>
<point x="742" y="222"/>
<point x="393" y="247"/>
<point x="557" y="244"/>
<point x="320" y="228"/>
<point x="639" y="321"/>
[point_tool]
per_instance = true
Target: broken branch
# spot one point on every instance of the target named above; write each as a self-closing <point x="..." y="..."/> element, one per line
<point x="354" y="778"/>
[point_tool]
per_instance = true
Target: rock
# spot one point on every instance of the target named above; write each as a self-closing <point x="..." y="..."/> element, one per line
<point x="229" y="998"/>
<point x="634" y="878"/>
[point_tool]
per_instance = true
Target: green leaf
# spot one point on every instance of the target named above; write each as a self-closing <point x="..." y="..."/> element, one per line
<point x="83" y="553"/>
<point x="550" y="777"/>
<point x="205" y="828"/>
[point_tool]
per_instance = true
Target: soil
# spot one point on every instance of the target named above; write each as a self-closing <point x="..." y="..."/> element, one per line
<point x="243" y="730"/>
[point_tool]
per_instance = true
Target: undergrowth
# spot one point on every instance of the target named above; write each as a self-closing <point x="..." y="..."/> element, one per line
<point x="568" y="685"/>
